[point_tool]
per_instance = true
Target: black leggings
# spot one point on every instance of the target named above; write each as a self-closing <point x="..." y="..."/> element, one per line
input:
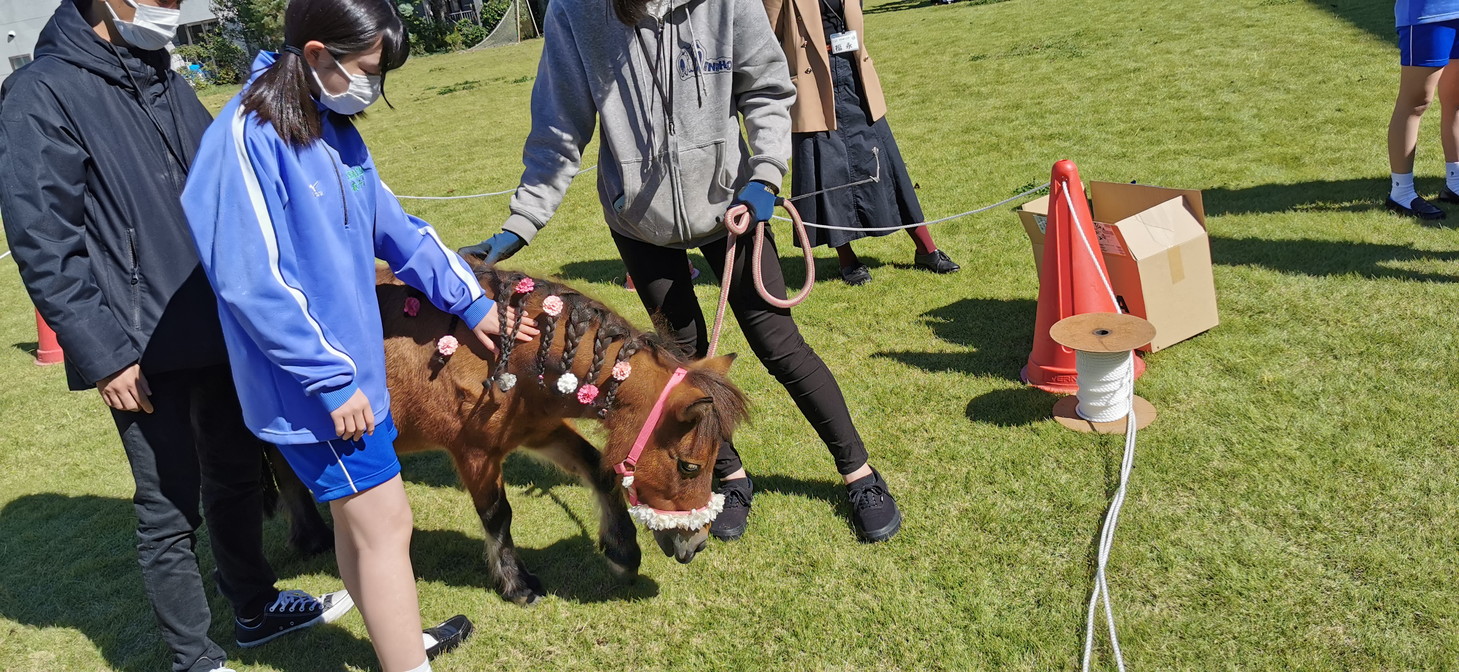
<point x="661" y="275"/>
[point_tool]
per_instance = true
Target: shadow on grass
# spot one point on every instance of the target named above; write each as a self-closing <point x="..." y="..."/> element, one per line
<point x="71" y="562"/>
<point x="899" y="5"/>
<point x="1351" y="195"/>
<point x="1374" y="17"/>
<point x="1016" y="407"/>
<point x="571" y="568"/>
<point x="28" y="347"/>
<point x="1329" y="257"/>
<point x="991" y="329"/>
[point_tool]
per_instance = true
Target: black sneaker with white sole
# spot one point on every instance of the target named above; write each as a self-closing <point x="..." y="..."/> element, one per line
<point x="874" y="511"/>
<point x="292" y="610"/>
<point x="446" y="636"/>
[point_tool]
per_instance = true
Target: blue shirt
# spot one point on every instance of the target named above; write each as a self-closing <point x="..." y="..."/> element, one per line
<point x="288" y="237"/>
<point x="1415" y="12"/>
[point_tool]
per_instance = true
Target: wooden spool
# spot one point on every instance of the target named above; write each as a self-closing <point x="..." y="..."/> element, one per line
<point x="1104" y="333"/>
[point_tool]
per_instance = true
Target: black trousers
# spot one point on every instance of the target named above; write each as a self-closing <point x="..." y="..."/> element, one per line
<point x="661" y="275"/>
<point x="194" y="449"/>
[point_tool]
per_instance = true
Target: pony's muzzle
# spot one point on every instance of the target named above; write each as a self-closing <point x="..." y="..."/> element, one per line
<point x="682" y="545"/>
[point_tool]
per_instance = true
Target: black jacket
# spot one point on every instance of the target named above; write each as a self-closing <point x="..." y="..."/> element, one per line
<point x="95" y="142"/>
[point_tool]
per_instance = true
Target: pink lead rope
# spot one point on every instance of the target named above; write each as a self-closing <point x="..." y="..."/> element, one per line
<point x="737" y="221"/>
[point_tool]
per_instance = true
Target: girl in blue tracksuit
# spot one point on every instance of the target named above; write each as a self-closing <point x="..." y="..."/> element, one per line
<point x="289" y="215"/>
<point x="1428" y="39"/>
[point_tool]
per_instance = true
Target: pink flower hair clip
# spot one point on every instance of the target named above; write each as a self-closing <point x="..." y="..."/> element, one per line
<point x="412" y="306"/>
<point x="587" y="394"/>
<point x="621" y="371"/>
<point x="526" y="286"/>
<point x="447" y="345"/>
<point x="552" y="305"/>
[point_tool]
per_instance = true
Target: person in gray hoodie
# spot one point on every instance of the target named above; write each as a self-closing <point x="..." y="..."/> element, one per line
<point x="668" y="82"/>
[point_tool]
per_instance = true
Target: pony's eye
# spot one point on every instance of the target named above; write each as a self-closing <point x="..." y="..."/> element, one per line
<point x="688" y="468"/>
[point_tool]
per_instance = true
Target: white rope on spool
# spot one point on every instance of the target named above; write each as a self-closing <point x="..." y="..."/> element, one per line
<point x="1106" y="385"/>
<point x="1106" y="402"/>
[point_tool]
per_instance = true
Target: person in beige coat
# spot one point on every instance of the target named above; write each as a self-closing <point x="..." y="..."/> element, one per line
<point x="841" y="138"/>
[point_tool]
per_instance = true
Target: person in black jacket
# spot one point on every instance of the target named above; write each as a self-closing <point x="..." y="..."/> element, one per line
<point x="96" y="137"/>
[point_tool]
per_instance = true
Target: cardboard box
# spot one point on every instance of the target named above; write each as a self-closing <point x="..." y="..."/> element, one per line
<point x="1155" y="246"/>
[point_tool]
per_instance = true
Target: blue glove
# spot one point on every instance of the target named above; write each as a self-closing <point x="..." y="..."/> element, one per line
<point x="501" y="246"/>
<point x="759" y="198"/>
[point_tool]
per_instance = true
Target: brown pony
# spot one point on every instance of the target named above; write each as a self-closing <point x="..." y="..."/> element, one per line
<point x="479" y="412"/>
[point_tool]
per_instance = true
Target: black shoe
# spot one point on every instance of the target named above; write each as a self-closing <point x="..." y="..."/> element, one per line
<point x="291" y="610"/>
<point x="873" y="509"/>
<point x="732" y="521"/>
<point x="1419" y="209"/>
<point x="856" y="275"/>
<point x="935" y="261"/>
<point x="1447" y="195"/>
<point x="448" y="635"/>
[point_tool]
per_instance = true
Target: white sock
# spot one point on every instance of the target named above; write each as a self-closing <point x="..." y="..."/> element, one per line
<point x="428" y="640"/>
<point x="1402" y="192"/>
<point x="1451" y="175"/>
<point x="424" y="667"/>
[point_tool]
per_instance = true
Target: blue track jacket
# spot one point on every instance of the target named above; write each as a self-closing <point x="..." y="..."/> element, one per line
<point x="1415" y="12"/>
<point x="288" y="237"/>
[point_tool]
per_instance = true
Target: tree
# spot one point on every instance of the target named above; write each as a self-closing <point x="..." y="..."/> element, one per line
<point x="256" y="24"/>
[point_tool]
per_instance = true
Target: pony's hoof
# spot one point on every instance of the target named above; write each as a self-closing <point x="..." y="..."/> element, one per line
<point x="622" y="560"/>
<point x="529" y="593"/>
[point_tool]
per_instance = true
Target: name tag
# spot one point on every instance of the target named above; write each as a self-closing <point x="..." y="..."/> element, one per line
<point x="844" y="42"/>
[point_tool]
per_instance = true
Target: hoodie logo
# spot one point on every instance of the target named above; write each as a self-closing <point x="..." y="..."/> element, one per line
<point x="315" y="188"/>
<point x="689" y="63"/>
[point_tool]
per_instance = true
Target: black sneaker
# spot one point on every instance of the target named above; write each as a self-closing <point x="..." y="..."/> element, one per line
<point x="856" y="275"/>
<point x="935" y="261"/>
<point x="1419" y="209"/>
<point x="873" y="509"/>
<point x="446" y="636"/>
<point x="291" y="610"/>
<point x="732" y="521"/>
<point x="1447" y="195"/>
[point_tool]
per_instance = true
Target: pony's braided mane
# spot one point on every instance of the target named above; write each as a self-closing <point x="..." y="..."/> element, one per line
<point x="581" y="312"/>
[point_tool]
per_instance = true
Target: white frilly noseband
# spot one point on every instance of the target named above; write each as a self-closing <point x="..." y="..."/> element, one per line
<point x="658" y="519"/>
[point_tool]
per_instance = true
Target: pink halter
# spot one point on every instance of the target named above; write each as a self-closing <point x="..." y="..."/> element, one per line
<point x="657" y="519"/>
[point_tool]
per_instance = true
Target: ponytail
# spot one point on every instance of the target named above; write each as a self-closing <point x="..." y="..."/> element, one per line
<point x="281" y="96"/>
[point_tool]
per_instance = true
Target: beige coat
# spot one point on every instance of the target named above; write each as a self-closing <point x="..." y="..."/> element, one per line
<point x="798" y="26"/>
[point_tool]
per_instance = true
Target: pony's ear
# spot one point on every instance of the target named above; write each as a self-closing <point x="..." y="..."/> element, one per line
<point x="720" y="364"/>
<point x="694" y="412"/>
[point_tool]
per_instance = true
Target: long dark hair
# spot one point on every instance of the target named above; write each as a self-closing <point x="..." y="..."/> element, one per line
<point x="281" y="95"/>
<point x="630" y="12"/>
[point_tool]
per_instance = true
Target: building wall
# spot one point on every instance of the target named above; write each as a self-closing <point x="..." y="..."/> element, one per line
<point x="21" y="22"/>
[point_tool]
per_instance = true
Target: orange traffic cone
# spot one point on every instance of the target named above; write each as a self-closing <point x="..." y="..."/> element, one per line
<point x="48" y="350"/>
<point x="1073" y="281"/>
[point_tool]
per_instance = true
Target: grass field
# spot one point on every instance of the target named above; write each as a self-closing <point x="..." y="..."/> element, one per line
<point x="1293" y="508"/>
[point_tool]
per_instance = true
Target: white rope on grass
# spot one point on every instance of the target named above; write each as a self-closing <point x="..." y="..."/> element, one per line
<point x="7" y="253"/>
<point x="460" y="198"/>
<point x="935" y="221"/>
<point x="1106" y="393"/>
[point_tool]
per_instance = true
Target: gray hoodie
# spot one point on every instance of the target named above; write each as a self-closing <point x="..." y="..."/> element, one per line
<point x="669" y="92"/>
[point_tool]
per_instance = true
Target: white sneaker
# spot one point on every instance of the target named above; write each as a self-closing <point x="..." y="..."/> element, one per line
<point x="336" y="604"/>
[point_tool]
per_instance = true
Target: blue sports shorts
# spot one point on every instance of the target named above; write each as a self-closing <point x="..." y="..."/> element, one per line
<point x="1428" y="45"/>
<point x="340" y="468"/>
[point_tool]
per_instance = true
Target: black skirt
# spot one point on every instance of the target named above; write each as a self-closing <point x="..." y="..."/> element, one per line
<point x="858" y="149"/>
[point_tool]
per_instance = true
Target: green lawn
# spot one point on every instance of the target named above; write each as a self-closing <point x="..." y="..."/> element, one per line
<point x="1293" y="507"/>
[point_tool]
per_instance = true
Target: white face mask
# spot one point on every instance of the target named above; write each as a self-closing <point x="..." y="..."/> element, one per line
<point x="364" y="91"/>
<point x="150" y="29"/>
